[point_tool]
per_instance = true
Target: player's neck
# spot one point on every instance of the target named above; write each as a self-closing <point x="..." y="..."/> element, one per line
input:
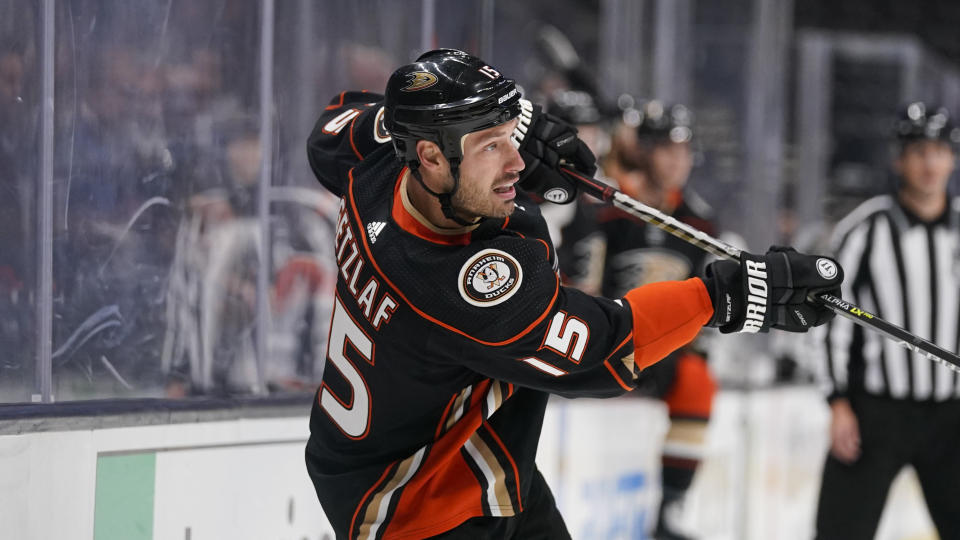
<point x="926" y="206"/>
<point x="426" y="204"/>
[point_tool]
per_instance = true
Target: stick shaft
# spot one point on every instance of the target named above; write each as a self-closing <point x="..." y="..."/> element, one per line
<point x="724" y="250"/>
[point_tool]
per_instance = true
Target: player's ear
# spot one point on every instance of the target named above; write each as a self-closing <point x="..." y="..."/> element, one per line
<point x="431" y="158"/>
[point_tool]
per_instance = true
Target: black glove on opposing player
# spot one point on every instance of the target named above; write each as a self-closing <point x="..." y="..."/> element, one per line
<point x="771" y="291"/>
<point x="545" y="143"/>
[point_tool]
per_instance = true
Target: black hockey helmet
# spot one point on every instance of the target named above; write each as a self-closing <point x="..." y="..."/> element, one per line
<point x="442" y="96"/>
<point x="575" y="107"/>
<point x="920" y="122"/>
<point x="660" y="122"/>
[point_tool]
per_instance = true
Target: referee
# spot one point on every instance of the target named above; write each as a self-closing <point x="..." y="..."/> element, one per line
<point x="891" y="407"/>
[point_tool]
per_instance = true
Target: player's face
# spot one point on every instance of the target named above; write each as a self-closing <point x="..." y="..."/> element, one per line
<point x="925" y="167"/>
<point x="490" y="168"/>
<point x="670" y="165"/>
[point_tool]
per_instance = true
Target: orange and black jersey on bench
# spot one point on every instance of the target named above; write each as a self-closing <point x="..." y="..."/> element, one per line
<point x="638" y="253"/>
<point x="443" y="347"/>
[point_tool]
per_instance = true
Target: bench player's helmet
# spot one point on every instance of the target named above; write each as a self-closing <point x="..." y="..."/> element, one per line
<point x="654" y="123"/>
<point x="920" y="122"/>
<point x="574" y="107"/>
<point x="441" y="97"/>
<point x="660" y="122"/>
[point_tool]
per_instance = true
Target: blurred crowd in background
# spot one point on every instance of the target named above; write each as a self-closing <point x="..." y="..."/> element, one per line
<point x="164" y="218"/>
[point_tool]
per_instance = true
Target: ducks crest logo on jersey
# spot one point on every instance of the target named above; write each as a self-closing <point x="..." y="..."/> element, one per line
<point x="489" y="278"/>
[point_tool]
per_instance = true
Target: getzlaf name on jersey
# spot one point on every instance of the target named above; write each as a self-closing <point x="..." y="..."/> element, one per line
<point x="415" y="428"/>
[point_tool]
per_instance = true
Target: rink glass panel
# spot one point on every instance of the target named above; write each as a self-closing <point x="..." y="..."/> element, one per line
<point x="20" y="100"/>
<point x="164" y="213"/>
<point x="157" y="161"/>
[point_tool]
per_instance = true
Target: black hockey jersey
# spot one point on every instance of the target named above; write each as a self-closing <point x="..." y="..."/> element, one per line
<point x="638" y="253"/>
<point x="443" y="346"/>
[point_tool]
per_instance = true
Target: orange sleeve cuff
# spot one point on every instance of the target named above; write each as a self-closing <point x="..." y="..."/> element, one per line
<point x="666" y="316"/>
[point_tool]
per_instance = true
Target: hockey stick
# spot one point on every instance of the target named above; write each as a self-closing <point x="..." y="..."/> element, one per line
<point x="719" y="248"/>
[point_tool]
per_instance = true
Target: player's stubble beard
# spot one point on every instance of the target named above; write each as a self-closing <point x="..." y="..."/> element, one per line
<point x="477" y="199"/>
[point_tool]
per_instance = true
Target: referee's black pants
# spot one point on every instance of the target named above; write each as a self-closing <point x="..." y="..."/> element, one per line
<point x="894" y="434"/>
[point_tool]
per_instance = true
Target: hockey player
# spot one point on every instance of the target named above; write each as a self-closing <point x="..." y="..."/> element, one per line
<point x="652" y="162"/>
<point x="573" y="227"/>
<point x="890" y="407"/>
<point x="449" y="325"/>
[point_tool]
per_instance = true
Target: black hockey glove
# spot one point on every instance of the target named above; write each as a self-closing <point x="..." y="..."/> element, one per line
<point x="771" y="291"/>
<point x="545" y="143"/>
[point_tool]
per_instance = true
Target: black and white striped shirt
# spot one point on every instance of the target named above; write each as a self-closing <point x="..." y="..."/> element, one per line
<point x="907" y="272"/>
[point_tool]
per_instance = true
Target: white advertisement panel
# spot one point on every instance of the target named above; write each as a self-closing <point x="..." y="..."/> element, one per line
<point x="246" y="479"/>
<point x="759" y="480"/>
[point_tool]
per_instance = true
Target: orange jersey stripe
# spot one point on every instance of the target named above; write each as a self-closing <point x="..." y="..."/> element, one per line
<point x="480" y="392"/>
<point x="366" y="496"/>
<point x="547" y="246"/>
<point x="353" y="145"/>
<point x="451" y="496"/>
<point x="444" y="486"/>
<point x="338" y="105"/>
<point x="413" y="226"/>
<point x="606" y="363"/>
<point x="625" y="386"/>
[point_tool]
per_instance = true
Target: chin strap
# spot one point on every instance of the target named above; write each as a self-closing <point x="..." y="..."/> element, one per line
<point x="446" y="199"/>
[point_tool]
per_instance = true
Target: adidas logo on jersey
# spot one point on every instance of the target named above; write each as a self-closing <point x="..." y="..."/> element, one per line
<point x="373" y="230"/>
